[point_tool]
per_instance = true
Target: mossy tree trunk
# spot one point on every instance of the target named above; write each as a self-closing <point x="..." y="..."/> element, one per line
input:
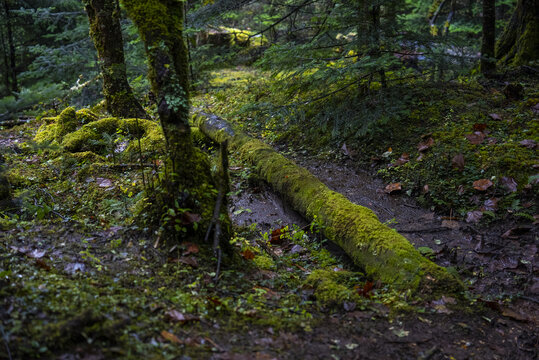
<point x="106" y="33"/>
<point x="11" y="49"/>
<point x="160" y="25"/>
<point x="518" y="44"/>
<point x="488" y="62"/>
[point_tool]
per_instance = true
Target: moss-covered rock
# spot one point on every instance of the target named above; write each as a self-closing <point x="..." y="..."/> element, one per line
<point x="66" y="123"/>
<point x="85" y="116"/>
<point x="328" y="287"/>
<point x="382" y="252"/>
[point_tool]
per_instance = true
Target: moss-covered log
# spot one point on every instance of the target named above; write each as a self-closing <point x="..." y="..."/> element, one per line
<point x="382" y="252"/>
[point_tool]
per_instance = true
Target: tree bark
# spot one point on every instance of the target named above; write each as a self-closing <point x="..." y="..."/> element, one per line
<point x="106" y="33"/>
<point x="488" y="61"/>
<point x="160" y="25"/>
<point x="380" y="251"/>
<point x="518" y="43"/>
<point x="11" y="46"/>
<point x="5" y="59"/>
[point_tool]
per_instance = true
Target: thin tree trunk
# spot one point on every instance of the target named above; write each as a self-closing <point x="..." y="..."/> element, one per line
<point x="5" y="68"/>
<point x="488" y="62"/>
<point x="11" y="46"/>
<point x="106" y="33"/>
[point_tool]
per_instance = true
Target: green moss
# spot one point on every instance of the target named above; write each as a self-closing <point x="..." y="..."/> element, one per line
<point x="67" y="123"/>
<point x="382" y="252"/>
<point x="85" y="116"/>
<point x="264" y="262"/>
<point x="46" y="133"/>
<point x="328" y="287"/>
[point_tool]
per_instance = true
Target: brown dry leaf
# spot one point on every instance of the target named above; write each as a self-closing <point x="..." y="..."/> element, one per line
<point x="460" y="190"/>
<point x="248" y="254"/>
<point x="277" y="235"/>
<point x="425" y="145"/>
<point x="451" y="224"/>
<point x="514" y="233"/>
<point x="42" y="264"/>
<point x="171" y="337"/>
<point x="482" y="184"/>
<point x="514" y="315"/>
<point x="479" y="127"/>
<point x="176" y="316"/>
<point x="404" y="158"/>
<point x="458" y="162"/>
<point x="189" y="218"/>
<point x="474" y="216"/>
<point x="530" y="144"/>
<point x="490" y="205"/>
<point x="509" y="183"/>
<point x="476" y="138"/>
<point x="189" y="261"/>
<point x="190" y="248"/>
<point x="392" y="188"/>
<point x="425" y="189"/>
<point x="494" y="116"/>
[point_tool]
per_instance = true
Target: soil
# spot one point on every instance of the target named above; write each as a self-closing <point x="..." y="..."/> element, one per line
<point x="502" y="273"/>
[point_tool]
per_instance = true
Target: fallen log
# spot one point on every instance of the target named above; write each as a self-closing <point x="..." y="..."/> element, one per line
<point x="379" y="250"/>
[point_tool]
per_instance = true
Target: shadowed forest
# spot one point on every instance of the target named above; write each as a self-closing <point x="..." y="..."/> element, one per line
<point x="269" y="179"/>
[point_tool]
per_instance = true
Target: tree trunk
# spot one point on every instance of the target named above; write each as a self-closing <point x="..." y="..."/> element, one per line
<point x="488" y="62"/>
<point x="106" y="33"/>
<point x="5" y="189"/>
<point x="5" y="59"/>
<point x="11" y="46"/>
<point x="518" y="43"/>
<point x="160" y="24"/>
<point x="380" y="251"/>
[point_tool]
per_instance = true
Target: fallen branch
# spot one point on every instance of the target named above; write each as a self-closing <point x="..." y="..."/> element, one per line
<point x="383" y="253"/>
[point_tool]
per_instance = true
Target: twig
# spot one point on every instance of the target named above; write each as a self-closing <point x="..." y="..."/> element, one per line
<point x="307" y="2"/>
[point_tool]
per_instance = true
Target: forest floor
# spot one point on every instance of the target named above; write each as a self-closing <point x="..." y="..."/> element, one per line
<point x="79" y="280"/>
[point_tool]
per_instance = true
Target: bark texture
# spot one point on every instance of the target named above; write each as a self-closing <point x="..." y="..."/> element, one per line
<point x="106" y="33"/>
<point x="11" y="47"/>
<point x="488" y="62"/>
<point x="380" y="251"/>
<point x="160" y="25"/>
<point x="519" y="44"/>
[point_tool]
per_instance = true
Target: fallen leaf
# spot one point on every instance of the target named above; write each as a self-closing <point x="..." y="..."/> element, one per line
<point x="392" y="188"/>
<point x="530" y="144"/>
<point x="458" y="162"/>
<point x="104" y="183"/>
<point x="476" y="138"/>
<point x="514" y="315"/>
<point x="72" y="268"/>
<point x="425" y="189"/>
<point x="42" y="264"/>
<point x="474" y="216"/>
<point x="420" y="157"/>
<point x="451" y="224"/>
<point x="404" y="158"/>
<point x="189" y="261"/>
<point x="190" y="218"/>
<point x="514" y="233"/>
<point x="345" y="150"/>
<point x="460" y="190"/>
<point x="171" y="337"/>
<point x="482" y="184"/>
<point x="190" y="248"/>
<point x="509" y="183"/>
<point x="366" y="289"/>
<point x="36" y="254"/>
<point x="490" y="205"/>
<point x="176" y="316"/>
<point x="425" y="145"/>
<point x="277" y="235"/>
<point x="479" y="127"/>
<point x="248" y="254"/>
<point x="535" y="109"/>
<point x="494" y="116"/>
<point x="296" y="249"/>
